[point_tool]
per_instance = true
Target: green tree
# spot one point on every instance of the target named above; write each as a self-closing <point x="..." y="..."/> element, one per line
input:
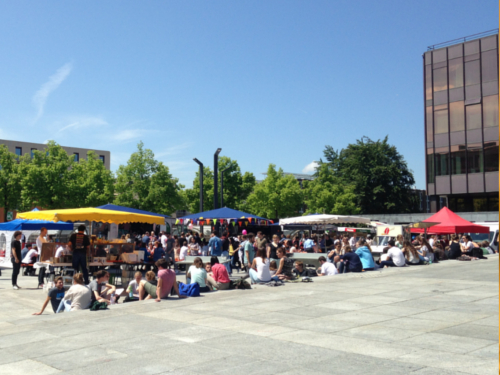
<point x="91" y="182"/>
<point x="10" y="181"/>
<point x="327" y="194"/>
<point x="47" y="179"/>
<point x="381" y="178"/>
<point x="277" y="196"/>
<point x="237" y="186"/>
<point x="147" y="184"/>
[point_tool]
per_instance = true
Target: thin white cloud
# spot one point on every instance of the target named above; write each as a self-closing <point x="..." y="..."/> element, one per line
<point x="84" y="122"/>
<point x="310" y="168"/>
<point x="173" y="150"/>
<point x="128" y="134"/>
<point x="41" y="96"/>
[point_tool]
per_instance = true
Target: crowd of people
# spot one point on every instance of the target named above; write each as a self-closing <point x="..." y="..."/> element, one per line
<point x="263" y="260"/>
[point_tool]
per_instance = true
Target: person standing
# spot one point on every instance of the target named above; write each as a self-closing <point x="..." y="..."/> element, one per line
<point x="272" y="249"/>
<point x="308" y="244"/>
<point x="215" y="245"/>
<point x="15" y="249"/>
<point x="261" y="241"/>
<point x="40" y="240"/>
<point x="79" y="244"/>
<point x="225" y="251"/>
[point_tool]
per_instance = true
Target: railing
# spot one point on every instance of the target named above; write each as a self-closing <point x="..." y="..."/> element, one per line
<point x="462" y="40"/>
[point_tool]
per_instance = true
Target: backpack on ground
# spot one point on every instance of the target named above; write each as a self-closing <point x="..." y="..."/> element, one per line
<point x="189" y="290"/>
<point x="240" y="284"/>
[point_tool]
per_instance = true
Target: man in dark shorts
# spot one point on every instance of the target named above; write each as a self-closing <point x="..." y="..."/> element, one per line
<point x="79" y="244"/>
<point x="55" y="296"/>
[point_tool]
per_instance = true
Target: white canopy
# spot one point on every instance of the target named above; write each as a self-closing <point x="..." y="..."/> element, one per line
<point x="324" y="219"/>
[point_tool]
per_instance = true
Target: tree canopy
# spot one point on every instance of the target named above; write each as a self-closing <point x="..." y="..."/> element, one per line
<point x="237" y="186"/>
<point x="379" y="174"/>
<point x="277" y="196"/>
<point x="146" y="183"/>
<point x="328" y="194"/>
<point x="10" y="181"/>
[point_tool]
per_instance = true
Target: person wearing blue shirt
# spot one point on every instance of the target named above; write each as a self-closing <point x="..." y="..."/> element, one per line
<point x="158" y="252"/>
<point x="349" y="262"/>
<point x="308" y="244"/>
<point x="365" y="255"/>
<point x="215" y="245"/>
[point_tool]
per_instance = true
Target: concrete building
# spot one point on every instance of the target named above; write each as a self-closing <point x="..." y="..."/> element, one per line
<point x="461" y="123"/>
<point x="22" y="148"/>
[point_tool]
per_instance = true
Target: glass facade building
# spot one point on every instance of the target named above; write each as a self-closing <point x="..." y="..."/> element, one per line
<point x="461" y="124"/>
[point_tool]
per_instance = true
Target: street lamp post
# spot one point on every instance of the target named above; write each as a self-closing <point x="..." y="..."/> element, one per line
<point x="201" y="183"/>
<point x="222" y="186"/>
<point x="216" y="168"/>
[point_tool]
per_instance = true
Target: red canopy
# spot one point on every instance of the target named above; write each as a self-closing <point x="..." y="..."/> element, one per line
<point x="450" y="223"/>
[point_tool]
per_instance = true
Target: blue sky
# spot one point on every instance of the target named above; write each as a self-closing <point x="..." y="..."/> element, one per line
<point x="267" y="81"/>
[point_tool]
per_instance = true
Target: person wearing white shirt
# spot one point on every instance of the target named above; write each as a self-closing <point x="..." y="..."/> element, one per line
<point x="164" y="239"/>
<point x="61" y="250"/>
<point x="395" y="257"/>
<point x="29" y="257"/>
<point x="40" y="240"/>
<point x="326" y="269"/>
<point x="184" y="251"/>
<point x="352" y="242"/>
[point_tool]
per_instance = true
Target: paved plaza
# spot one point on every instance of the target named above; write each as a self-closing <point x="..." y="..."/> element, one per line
<point x="438" y="319"/>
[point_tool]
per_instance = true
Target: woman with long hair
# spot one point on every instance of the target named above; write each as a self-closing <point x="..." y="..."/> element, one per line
<point x="259" y="271"/>
<point x="364" y="253"/>
<point x="410" y="253"/>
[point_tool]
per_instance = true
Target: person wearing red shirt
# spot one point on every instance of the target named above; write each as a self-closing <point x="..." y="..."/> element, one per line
<point x="220" y="274"/>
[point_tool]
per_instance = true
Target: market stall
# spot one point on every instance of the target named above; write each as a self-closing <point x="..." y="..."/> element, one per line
<point x="450" y="223"/>
<point x="28" y="227"/>
<point x="98" y="247"/>
<point x="168" y="221"/>
<point x="224" y="218"/>
<point x="323" y="219"/>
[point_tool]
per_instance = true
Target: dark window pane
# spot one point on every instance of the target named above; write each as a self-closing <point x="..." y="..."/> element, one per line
<point x="19" y="151"/>
<point x="472" y="73"/>
<point x="439" y="55"/>
<point x="489" y="65"/>
<point x="455" y="51"/>
<point x="480" y="204"/>
<point x="440" y="79"/>
<point x="430" y="166"/>
<point x="475" y="158"/>
<point x="457" y="156"/>
<point x="490" y="111"/>
<point x="428" y="82"/>
<point x="428" y="125"/>
<point x="489" y="43"/>
<point x="456" y="73"/>
<point x="473" y="116"/>
<point x="471" y="48"/>
<point x="442" y="163"/>
<point x="457" y="117"/>
<point x="102" y="158"/>
<point x="493" y="204"/>
<point x="33" y="152"/>
<point x="76" y="156"/>
<point x="491" y="156"/>
<point x="441" y="122"/>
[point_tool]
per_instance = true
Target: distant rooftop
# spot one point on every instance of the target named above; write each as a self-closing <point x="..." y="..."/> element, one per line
<point x="298" y="176"/>
<point x="462" y="40"/>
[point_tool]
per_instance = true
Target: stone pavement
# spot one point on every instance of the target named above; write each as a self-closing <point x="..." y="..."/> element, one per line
<point x="438" y="319"/>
